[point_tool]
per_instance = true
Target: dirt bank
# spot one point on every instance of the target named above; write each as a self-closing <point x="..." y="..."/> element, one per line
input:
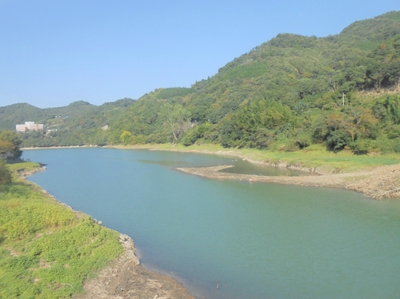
<point x="381" y="182"/>
<point x="126" y="278"/>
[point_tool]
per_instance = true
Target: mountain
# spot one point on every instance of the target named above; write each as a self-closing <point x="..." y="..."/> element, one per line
<point x="288" y="93"/>
<point x="16" y="114"/>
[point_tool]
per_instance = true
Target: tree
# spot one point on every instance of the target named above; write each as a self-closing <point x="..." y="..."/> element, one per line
<point x="125" y="137"/>
<point x="6" y="149"/>
<point x="9" y="145"/>
<point x="176" y="118"/>
<point x="254" y="119"/>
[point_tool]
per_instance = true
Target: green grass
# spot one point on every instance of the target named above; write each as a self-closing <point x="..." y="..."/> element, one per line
<point x="46" y="251"/>
<point x="316" y="156"/>
<point x="28" y="166"/>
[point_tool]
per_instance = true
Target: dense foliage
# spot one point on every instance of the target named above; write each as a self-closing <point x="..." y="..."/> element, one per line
<point x="46" y="251"/>
<point x="341" y="91"/>
<point x="9" y="151"/>
<point x="9" y="145"/>
<point x="5" y="175"/>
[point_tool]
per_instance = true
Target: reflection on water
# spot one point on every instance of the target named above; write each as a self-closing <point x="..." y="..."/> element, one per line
<point x="245" y="167"/>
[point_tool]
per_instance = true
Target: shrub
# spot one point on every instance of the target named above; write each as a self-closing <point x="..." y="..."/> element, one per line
<point x="361" y="146"/>
<point x="5" y="175"/>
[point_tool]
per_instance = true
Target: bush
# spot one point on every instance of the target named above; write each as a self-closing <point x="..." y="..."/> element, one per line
<point x="303" y="139"/>
<point x="396" y="146"/>
<point x="337" y="140"/>
<point x="361" y="146"/>
<point x="5" y="175"/>
<point x="291" y="146"/>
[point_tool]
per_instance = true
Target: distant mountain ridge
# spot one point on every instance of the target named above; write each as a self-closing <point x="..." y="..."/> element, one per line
<point x="71" y="125"/>
<point x="21" y="112"/>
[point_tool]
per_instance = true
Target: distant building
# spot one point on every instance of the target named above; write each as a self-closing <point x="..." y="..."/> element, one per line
<point x="29" y="125"/>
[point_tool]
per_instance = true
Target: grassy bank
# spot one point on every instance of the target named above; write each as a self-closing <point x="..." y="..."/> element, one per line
<point x="46" y="249"/>
<point x="312" y="157"/>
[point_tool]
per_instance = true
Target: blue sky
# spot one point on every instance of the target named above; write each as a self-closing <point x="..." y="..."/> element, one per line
<point x="55" y="52"/>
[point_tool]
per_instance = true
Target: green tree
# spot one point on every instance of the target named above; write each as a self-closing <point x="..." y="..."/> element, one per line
<point x="256" y="119"/>
<point x="176" y="118"/>
<point x="125" y="137"/>
<point x="9" y="145"/>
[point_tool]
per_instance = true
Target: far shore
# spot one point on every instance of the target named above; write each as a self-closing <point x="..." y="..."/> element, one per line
<point x="378" y="182"/>
<point x="56" y="147"/>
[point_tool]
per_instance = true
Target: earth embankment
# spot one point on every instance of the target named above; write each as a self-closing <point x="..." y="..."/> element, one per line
<point x="381" y="182"/>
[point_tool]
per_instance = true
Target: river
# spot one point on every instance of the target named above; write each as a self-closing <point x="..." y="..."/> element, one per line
<point x="232" y="239"/>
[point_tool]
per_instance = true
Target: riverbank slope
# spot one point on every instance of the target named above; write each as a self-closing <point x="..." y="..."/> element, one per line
<point x="381" y="182"/>
<point x="122" y="275"/>
<point x="126" y="278"/>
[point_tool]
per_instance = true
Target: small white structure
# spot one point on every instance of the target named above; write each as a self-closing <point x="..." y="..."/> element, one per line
<point x="29" y="125"/>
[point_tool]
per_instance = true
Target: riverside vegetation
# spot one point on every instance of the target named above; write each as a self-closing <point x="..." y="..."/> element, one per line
<point x="340" y="92"/>
<point x="46" y="249"/>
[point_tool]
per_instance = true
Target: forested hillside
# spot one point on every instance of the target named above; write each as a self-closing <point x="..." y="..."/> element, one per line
<point x="293" y="91"/>
<point x="76" y="124"/>
<point x="286" y="94"/>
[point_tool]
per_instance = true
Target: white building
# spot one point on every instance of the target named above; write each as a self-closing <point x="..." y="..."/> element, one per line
<point x="29" y="125"/>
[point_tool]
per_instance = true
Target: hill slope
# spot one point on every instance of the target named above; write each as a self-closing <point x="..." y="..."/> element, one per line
<point x="286" y="94"/>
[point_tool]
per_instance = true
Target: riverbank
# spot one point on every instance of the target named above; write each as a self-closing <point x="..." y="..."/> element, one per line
<point x="382" y="182"/>
<point x="376" y="176"/>
<point x="125" y="277"/>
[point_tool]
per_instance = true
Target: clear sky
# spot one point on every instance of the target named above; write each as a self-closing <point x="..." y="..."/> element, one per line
<point x="55" y="52"/>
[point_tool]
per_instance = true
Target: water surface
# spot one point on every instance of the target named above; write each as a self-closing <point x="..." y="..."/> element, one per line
<point x="255" y="240"/>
